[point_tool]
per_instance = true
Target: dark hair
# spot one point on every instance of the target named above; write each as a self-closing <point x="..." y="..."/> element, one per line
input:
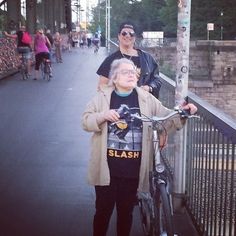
<point x="127" y="25"/>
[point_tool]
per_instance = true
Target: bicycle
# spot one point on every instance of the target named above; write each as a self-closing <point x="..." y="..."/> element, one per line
<point x="156" y="206"/>
<point x="23" y="68"/>
<point x="46" y="69"/>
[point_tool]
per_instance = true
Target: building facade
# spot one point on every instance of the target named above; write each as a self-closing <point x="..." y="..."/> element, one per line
<point x="47" y="14"/>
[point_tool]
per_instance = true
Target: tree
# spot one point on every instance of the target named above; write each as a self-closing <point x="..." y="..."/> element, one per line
<point x="161" y="15"/>
<point x="144" y="14"/>
<point x="168" y="15"/>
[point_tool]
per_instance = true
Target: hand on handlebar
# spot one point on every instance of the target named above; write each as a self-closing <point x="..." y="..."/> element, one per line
<point x="111" y="115"/>
<point x="191" y="108"/>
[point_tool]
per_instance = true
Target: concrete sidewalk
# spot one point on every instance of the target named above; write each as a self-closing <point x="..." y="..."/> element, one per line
<point x="44" y="153"/>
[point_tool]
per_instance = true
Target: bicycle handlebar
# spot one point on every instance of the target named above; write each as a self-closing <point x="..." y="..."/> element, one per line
<point x="183" y="114"/>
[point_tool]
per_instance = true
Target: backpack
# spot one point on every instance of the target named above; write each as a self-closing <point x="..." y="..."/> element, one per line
<point x="26" y="38"/>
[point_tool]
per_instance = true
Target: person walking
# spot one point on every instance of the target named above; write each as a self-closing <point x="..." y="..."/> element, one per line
<point x="70" y="41"/>
<point x="41" y="50"/>
<point x="57" y="44"/>
<point x="24" y="44"/>
<point x="120" y="153"/>
<point x="146" y="66"/>
<point x="50" y="38"/>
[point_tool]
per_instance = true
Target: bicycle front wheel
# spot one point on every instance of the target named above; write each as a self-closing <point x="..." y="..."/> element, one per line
<point x="163" y="213"/>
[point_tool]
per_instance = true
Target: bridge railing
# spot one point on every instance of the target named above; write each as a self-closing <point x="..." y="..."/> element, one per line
<point x="210" y="189"/>
<point x="210" y="178"/>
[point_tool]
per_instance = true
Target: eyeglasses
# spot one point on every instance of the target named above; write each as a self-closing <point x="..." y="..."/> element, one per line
<point x="131" y="34"/>
<point x="127" y="72"/>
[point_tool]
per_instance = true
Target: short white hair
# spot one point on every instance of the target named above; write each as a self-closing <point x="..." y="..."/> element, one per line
<point x="115" y="65"/>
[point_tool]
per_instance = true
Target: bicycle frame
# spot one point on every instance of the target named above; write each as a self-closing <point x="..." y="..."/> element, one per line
<point x="46" y="70"/>
<point x="152" y="215"/>
<point x="156" y="206"/>
<point x="23" y="66"/>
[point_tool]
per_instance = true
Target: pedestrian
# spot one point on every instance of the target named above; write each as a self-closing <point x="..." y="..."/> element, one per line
<point x="24" y="44"/>
<point x="89" y="39"/>
<point x="50" y="38"/>
<point x="70" y="41"/>
<point x="57" y="44"/>
<point x="121" y="150"/>
<point x="41" y="50"/>
<point x="146" y="66"/>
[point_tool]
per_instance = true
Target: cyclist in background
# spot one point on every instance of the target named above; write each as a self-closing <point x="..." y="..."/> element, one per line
<point x="121" y="149"/>
<point x="96" y="41"/>
<point x="41" y="50"/>
<point x="22" y="46"/>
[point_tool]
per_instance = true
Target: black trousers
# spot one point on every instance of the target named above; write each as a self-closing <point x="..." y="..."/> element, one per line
<point x="122" y="193"/>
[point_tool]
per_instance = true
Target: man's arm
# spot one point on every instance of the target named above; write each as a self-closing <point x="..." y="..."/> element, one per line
<point x="103" y="81"/>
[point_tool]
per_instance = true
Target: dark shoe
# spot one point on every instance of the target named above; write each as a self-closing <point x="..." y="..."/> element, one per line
<point x="35" y="78"/>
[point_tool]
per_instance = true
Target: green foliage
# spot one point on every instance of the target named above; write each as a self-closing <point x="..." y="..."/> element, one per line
<point x="144" y="14"/>
<point x="2" y="20"/>
<point x="168" y="15"/>
<point x="161" y="15"/>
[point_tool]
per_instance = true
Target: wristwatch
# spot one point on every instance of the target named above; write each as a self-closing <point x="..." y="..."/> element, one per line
<point x="150" y="89"/>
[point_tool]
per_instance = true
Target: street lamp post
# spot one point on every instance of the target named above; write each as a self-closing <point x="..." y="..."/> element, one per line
<point x="221" y="25"/>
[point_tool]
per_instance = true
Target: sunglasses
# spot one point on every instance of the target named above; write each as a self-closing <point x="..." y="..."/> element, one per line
<point x="131" y="34"/>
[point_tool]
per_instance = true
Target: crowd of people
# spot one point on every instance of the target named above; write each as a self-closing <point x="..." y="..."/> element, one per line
<point x="45" y="46"/>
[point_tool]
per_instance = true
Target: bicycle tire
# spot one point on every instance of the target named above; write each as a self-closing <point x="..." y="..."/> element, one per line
<point x="24" y="70"/>
<point x="47" y="71"/>
<point x="24" y="73"/>
<point x="163" y="212"/>
<point x="145" y="216"/>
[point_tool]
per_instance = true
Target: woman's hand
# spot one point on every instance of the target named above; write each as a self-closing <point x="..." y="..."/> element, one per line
<point x="189" y="106"/>
<point x="111" y="115"/>
<point x="145" y="87"/>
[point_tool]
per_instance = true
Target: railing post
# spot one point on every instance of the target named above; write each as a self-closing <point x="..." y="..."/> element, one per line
<point x="182" y="72"/>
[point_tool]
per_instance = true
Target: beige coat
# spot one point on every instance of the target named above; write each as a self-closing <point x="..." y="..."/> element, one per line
<point x="98" y="173"/>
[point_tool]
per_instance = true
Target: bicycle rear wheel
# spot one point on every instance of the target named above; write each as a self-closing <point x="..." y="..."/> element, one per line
<point x="24" y="72"/>
<point x="163" y="213"/>
<point x="45" y="68"/>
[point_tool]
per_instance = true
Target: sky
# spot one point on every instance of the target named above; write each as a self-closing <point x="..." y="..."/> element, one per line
<point x="84" y="4"/>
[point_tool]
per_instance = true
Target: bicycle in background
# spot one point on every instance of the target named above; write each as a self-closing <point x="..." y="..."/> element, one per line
<point x="23" y="68"/>
<point x="46" y="69"/>
<point x="156" y="205"/>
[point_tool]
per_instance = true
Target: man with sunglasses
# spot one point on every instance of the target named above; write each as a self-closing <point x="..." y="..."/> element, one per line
<point x="146" y="66"/>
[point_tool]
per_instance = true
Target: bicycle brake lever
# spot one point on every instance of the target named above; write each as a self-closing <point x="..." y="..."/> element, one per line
<point x="185" y="113"/>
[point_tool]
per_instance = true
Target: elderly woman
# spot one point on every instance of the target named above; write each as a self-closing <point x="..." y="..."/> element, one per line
<point x="120" y="158"/>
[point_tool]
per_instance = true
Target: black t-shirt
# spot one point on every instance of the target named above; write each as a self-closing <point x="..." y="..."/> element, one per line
<point x="124" y="145"/>
<point x="105" y="67"/>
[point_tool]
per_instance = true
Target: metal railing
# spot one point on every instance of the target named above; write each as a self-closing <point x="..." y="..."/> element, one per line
<point x="210" y="167"/>
<point x="210" y="178"/>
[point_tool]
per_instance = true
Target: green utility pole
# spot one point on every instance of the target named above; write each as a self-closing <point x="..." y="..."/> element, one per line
<point x="182" y="73"/>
